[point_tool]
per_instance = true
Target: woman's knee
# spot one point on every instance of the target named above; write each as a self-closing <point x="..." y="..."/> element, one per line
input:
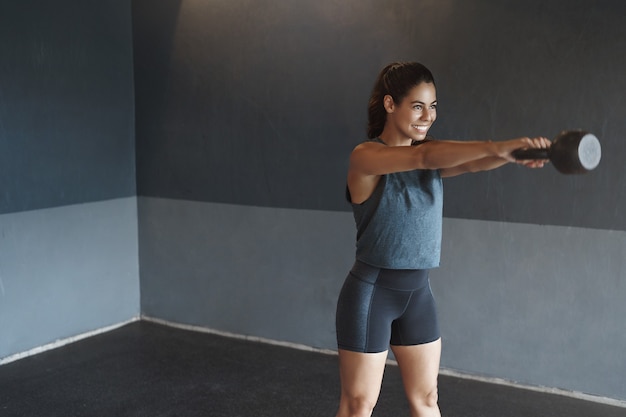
<point x="424" y="400"/>
<point x="432" y="398"/>
<point x="359" y="406"/>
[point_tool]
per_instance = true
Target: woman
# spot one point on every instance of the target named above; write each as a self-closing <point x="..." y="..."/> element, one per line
<point x="395" y="188"/>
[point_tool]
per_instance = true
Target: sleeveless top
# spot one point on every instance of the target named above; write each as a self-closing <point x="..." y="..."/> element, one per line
<point x="399" y="225"/>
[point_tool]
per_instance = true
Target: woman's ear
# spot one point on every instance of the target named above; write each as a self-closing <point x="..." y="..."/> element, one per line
<point x="388" y="103"/>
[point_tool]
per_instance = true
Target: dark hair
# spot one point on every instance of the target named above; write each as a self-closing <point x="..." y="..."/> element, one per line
<point x="396" y="80"/>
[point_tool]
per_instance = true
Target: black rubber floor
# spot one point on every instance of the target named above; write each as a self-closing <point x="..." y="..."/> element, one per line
<point x="145" y="369"/>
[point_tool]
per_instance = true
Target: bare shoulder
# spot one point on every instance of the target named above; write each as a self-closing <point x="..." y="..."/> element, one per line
<point x="372" y="158"/>
<point x="367" y="146"/>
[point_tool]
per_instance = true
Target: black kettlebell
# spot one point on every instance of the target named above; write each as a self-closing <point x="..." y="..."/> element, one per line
<point x="571" y="152"/>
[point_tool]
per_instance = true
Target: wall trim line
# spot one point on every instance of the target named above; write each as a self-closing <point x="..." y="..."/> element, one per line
<point x="63" y="342"/>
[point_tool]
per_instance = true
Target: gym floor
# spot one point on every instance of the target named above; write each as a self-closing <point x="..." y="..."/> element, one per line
<point x="152" y="370"/>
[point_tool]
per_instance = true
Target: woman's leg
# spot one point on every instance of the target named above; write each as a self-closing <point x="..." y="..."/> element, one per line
<point x="361" y="378"/>
<point x="419" y="366"/>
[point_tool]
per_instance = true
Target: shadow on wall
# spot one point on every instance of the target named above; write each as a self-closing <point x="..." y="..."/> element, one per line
<point x="154" y="32"/>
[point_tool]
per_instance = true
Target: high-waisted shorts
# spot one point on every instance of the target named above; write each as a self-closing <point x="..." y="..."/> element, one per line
<point x="378" y="307"/>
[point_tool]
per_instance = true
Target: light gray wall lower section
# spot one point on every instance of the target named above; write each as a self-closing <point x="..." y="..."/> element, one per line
<point x="538" y="305"/>
<point x="266" y="272"/>
<point x="66" y="271"/>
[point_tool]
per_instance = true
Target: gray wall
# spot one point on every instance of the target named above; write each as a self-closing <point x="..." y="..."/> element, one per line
<point x="248" y="270"/>
<point x="68" y="215"/>
<point x="246" y="114"/>
<point x="66" y="271"/>
<point x="536" y="304"/>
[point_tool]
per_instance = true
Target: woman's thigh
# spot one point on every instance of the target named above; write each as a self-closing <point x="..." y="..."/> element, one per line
<point x="361" y="376"/>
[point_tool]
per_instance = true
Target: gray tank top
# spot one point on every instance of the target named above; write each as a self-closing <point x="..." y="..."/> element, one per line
<point x="399" y="226"/>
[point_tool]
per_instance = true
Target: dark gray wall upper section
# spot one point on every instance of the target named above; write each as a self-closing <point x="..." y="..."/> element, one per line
<point x="260" y="103"/>
<point x="66" y="103"/>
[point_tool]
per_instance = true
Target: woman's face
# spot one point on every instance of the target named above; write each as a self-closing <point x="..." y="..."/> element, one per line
<point x="416" y="113"/>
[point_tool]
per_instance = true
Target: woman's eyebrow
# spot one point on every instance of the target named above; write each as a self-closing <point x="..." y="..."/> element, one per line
<point x="421" y="102"/>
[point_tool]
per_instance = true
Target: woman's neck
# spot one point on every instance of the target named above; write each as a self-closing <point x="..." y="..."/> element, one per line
<point x="395" y="140"/>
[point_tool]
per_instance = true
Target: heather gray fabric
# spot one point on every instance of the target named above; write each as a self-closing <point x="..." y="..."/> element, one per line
<point x="399" y="226"/>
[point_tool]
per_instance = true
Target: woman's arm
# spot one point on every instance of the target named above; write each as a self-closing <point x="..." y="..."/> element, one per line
<point x="484" y="164"/>
<point x="487" y="164"/>
<point x="371" y="158"/>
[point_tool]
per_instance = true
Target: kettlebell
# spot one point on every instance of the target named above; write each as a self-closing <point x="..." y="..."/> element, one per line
<point x="571" y="152"/>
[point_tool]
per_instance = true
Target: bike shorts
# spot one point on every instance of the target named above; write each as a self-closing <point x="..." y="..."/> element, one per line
<point x="378" y="307"/>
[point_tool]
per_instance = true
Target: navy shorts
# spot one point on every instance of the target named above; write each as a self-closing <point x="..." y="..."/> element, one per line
<point x="378" y="307"/>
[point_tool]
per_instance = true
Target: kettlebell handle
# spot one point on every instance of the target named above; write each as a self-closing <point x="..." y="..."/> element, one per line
<point x="531" y="154"/>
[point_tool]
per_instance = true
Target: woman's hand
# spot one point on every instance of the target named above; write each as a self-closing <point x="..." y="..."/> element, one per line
<point x="505" y="148"/>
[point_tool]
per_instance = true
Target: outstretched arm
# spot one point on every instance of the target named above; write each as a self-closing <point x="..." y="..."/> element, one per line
<point x="372" y="158"/>
<point x="487" y="164"/>
<point x="484" y="164"/>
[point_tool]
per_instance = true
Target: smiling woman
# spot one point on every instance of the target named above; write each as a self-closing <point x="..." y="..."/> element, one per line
<point x="395" y="187"/>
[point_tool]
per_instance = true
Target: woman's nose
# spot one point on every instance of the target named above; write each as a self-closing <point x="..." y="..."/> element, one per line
<point x="426" y="115"/>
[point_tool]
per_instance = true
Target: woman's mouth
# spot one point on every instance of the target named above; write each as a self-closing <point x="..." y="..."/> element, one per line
<point x="421" y="129"/>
